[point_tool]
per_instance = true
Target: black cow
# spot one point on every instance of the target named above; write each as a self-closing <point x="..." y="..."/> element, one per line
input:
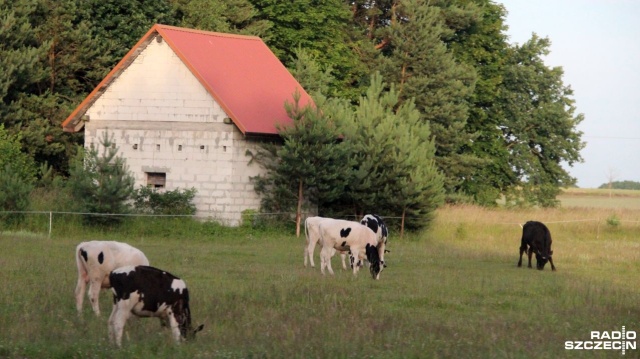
<point x="149" y="292"/>
<point x="536" y="238"/>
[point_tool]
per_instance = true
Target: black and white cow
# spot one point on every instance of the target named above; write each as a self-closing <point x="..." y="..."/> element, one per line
<point x="536" y="238"/>
<point x="149" y="292"/>
<point x="358" y="239"/>
<point x="95" y="260"/>
<point x="378" y="227"/>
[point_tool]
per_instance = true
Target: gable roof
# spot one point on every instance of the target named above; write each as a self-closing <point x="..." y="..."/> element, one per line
<point x="240" y="72"/>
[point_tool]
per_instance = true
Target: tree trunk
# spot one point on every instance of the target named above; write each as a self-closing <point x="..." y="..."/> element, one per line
<point x="299" y="209"/>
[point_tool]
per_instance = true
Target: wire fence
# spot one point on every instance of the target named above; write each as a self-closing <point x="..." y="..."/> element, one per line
<point x="45" y="222"/>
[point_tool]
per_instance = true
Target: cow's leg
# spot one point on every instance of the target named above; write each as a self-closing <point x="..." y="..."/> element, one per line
<point x="552" y="266"/>
<point x="381" y="249"/>
<point x="325" y="259"/>
<point x="355" y="258"/>
<point x="93" y="293"/>
<point x="173" y="324"/>
<point x="529" y="253"/>
<point x="117" y="320"/>
<point x="81" y="287"/>
<point x="523" y="249"/>
<point x="310" y="249"/>
<point x="343" y="256"/>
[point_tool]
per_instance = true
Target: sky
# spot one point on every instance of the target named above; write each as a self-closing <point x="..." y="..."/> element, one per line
<point x="597" y="43"/>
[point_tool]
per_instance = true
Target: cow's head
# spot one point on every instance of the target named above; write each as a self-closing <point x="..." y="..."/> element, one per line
<point x="542" y="259"/>
<point x="183" y="317"/>
<point x="376" y="266"/>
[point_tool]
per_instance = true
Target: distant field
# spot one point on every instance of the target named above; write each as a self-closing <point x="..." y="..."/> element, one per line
<point x="451" y="292"/>
<point x="600" y="198"/>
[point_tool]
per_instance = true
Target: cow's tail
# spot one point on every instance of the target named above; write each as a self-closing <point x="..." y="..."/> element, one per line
<point x="81" y="262"/>
<point x="307" y="240"/>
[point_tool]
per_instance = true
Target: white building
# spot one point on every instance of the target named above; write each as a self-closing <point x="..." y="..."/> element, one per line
<point x="185" y="106"/>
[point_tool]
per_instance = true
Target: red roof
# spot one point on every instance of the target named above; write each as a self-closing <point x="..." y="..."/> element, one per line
<point x="240" y="73"/>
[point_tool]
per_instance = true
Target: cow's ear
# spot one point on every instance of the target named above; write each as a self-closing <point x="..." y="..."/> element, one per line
<point x="199" y="328"/>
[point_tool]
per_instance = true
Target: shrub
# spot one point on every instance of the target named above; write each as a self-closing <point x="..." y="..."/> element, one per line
<point x="177" y="202"/>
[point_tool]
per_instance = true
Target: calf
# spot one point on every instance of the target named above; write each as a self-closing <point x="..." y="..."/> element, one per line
<point x="95" y="260"/>
<point x="149" y="292"/>
<point x="312" y="234"/>
<point x="536" y="238"/>
<point x="359" y="240"/>
<point x="378" y="227"/>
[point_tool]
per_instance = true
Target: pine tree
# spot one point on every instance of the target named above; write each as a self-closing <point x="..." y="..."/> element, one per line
<point x="414" y="57"/>
<point x="312" y="167"/>
<point x="395" y="171"/>
<point x="101" y="183"/>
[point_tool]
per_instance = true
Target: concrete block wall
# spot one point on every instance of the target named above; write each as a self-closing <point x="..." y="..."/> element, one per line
<point x="163" y="120"/>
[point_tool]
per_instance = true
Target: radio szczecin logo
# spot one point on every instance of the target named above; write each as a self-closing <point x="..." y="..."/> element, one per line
<point x="606" y="340"/>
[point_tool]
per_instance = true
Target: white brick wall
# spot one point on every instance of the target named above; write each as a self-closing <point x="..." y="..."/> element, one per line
<point x="157" y="101"/>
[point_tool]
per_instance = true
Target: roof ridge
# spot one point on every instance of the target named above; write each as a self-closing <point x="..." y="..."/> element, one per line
<point x="206" y="32"/>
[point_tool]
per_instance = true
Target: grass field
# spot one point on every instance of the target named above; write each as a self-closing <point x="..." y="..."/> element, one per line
<point x="600" y="198"/>
<point x="451" y="292"/>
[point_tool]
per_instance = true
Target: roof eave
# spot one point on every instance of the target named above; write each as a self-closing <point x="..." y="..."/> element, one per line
<point x="74" y="122"/>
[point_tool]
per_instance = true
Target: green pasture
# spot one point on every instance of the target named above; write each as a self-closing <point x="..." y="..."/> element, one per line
<point x="451" y="292"/>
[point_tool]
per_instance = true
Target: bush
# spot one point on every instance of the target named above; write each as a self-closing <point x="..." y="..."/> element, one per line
<point x="177" y="202"/>
<point x="14" y="195"/>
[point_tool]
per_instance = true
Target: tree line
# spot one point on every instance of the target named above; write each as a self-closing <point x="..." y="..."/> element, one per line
<point x="439" y="104"/>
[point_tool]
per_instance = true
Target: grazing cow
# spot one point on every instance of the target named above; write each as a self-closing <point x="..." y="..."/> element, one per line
<point x="312" y="234"/>
<point x="536" y="238"/>
<point x="378" y="227"/>
<point x="149" y="292"/>
<point x="358" y="239"/>
<point x="95" y="260"/>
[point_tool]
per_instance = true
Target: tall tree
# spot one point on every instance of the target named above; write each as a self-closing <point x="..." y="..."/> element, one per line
<point x="419" y="62"/>
<point x="539" y="126"/>
<point x="475" y="33"/>
<point x="52" y="61"/>
<point x="229" y="16"/>
<point x="312" y="166"/>
<point x="319" y="27"/>
<point x="119" y="24"/>
<point x="395" y="171"/>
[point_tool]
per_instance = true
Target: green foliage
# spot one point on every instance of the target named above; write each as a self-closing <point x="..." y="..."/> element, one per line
<point x="14" y="195"/>
<point x="18" y="163"/>
<point x="613" y="221"/>
<point x="394" y="151"/>
<point x="539" y="127"/>
<point x="476" y="34"/>
<point x="415" y="58"/>
<point x="311" y="167"/>
<point x="621" y="185"/>
<point x="120" y="24"/>
<point x="101" y="183"/>
<point x="319" y="27"/>
<point x="176" y="202"/>
<point x="230" y="16"/>
<point x="502" y="121"/>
